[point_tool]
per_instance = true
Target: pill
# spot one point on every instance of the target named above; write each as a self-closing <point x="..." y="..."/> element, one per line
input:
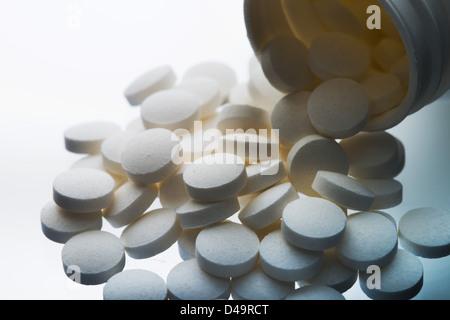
<point x="222" y="73"/>
<point x="60" y="225"/>
<point x="311" y="154"/>
<point x="187" y="281"/>
<point x="83" y="190"/>
<point x="261" y="233"/>
<point x="154" y="80"/>
<point x="242" y="117"/>
<point x="171" y="109"/>
<point x="387" y="52"/>
<point x="207" y="90"/>
<point x="130" y="201"/>
<point x="240" y="94"/>
<point x="339" y="108"/>
<point x="194" y="214"/>
<point x="373" y="155"/>
<point x="263" y="175"/>
<point x="333" y="274"/>
<point x="258" y="28"/>
<point x="343" y="190"/>
<point x="135" y="126"/>
<point x="78" y="252"/>
<point x="337" y="17"/>
<point x="150" y="156"/>
<point x="387" y="215"/>
<point x="385" y="91"/>
<point x="290" y="118"/>
<point x="172" y="192"/>
<point x="401" y="69"/>
<point x="315" y="292"/>
<point x="257" y="285"/>
<point x="186" y="243"/>
<point x="86" y="138"/>
<point x="227" y="249"/>
<point x="402" y="279"/>
<point x="388" y="192"/>
<point x="338" y="55"/>
<point x="215" y="177"/>
<point x="369" y="239"/>
<point x="267" y="207"/>
<point x="313" y="223"/>
<point x="284" y="60"/>
<point x="286" y="262"/>
<point x="135" y="284"/>
<point x="151" y="233"/>
<point x="111" y="151"/>
<point x="425" y="232"/>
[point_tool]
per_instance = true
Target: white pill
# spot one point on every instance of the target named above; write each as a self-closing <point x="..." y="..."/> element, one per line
<point x="171" y="109"/>
<point x="333" y="274"/>
<point x="83" y="190"/>
<point x="311" y="154"/>
<point x="339" y="108"/>
<point x="240" y="94"/>
<point x="135" y="126"/>
<point x="186" y="243"/>
<point x="111" y="150"/>
<point x="285" y="262"/>
<point x="315" y="292"/>
<point x="157" y="79"/>
<point x="343" y="190"/>
<point x="257" y="285"/>
<point x="130" y="201"/>
<point x="337" y="17"/>
<point x="369" y="239"/>
<point x="338" y="55"/>
<point x="222" y="73"/>
<point x="401" y="69"/>
<point x="242" y="117"/>
<point x="227" y="249"/>
<point x="152" y="233"/>
<point x="135" y="284"/>
<point x="387" y="52"/>
<point x="172" y="191"/>
<point x="373" y="155"/>
<point x="187" y="281"/>
<point x="78" y="252"/>
<point x="425" y="232"/>
<point x="87" y="137"/>
<point x="313" y="223"/>
<point x="60" y="225"/>
<point x="290" y="118"/>
<point x="402" y="279"/>
<point x="150" y="156"/>
<point x="284" y="60"/>
<point x="215" y="177"/>
<point x="267" y="207"/>
<point x="194" y="214"/>
<point x="263" y="175"/>
<point x="385" y="91"/>
<point x="388" y="192"/>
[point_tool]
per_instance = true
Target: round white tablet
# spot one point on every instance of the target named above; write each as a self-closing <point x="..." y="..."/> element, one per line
<point x="186" y="243"/>
<point x="369" y="239"/>
<point x="388" y="192"/>
<point x="240" y="94"/>
<point x="159" y="78"/>
<point x="187" y="281"/>
<point x="60" y="225"/>
<point x="77" y="257"/>
<point x="425" y="232"/>
<point x="235" y="117"/>
<point x="387" y="52"/>
<point x="215" y="177"/>
<point x="311" y="154"/>
<point x="227" y="249"/>
<point x="151" y="156"/>
<point x="171" y="109"/>
<point x="385" y="91"/>
<point x="130" y="201"/>
<point x="313" y="223"/>
<point x="87" y="137"/>
<point x="172" y="192"/>
<point x="83" y="190"/>
<point x="151" y="233"/>
<point x="286" y="262"/>
<point x="401" y="69"/>
<point x="315" y="292"/>
<point x="262" y="175"/>
<point x="339" y="108"/>
<point x="135" y="284"/>
<point x="257" y="285"/>
<point x="402" y="279"/>
<point x="111" y="150"/>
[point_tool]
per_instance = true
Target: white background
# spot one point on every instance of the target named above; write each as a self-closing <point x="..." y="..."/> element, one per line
<point x="63" y="62"/>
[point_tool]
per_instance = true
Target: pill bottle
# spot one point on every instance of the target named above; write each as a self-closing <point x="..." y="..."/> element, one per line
<point x="422" y="25"/>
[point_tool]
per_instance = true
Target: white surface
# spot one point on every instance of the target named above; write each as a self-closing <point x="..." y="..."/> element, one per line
<point x="54" y="75"/>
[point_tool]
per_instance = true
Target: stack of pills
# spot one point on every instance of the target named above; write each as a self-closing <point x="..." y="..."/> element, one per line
<point x="280" y="193"/>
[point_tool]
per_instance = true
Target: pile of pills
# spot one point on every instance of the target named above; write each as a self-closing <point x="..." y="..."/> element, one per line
<point x="279" y="195"/>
